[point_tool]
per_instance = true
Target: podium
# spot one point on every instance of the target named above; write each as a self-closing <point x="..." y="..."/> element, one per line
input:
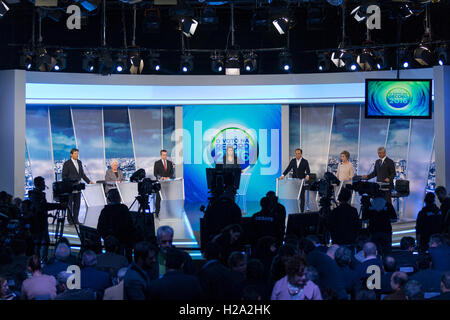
<point x="94" y="196"/>
<point x="289" y="188"/>
<point x="128" y="192"/>
<point x="172" y="189"/>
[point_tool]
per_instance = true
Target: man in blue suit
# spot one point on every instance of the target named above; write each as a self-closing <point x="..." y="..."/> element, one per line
<point x="91" y="278"/>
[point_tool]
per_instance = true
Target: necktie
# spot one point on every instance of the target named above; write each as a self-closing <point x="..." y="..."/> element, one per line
<point x="165" y="165"/>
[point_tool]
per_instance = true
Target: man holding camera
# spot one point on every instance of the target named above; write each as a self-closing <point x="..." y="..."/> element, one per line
<point x="162" y="170"/>
<point x="384" y="170"/>
<point x="300" y="168"/>
<point x="39" y="217"/>
<point x="73" y="171"/>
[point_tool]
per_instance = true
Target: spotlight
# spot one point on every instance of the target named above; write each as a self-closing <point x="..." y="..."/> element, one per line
<point x="281" y="24"/>
<point x="43" y="59"/>
<point x="90" y="5"/>
<point x="323" y="62"/>
<point x="136" y="62"/>
<point x="380" y="59"/>
<point x="26" y="59"/>
<point x="208" y="16"/>
<point x="217" y="64"/>
<point x="250" y="61"/>
<point x="442" y="55"/>
<point x="232" y="64"/>
<point x="105" y="62"/>
<point x="285" y="61"/>
<point x="187" y="63"/>
<point x="188" y="26"/>
<point x="152" y="20"/>
<point x="260" y="20"/>
<point x="404" y="57"/>
<point x="154" y="62"/>
<point x="89" y="62"/>
<point x="342" y="58"/>
<point x="60" y="60"/>
<point x="121" y="63"/>
<point x="366" y="60"/>
<point x="3" y="9"/>
<point x="424" y="56"/>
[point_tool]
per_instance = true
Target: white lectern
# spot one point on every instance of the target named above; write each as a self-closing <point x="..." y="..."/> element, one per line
<point x="94" y="196"/>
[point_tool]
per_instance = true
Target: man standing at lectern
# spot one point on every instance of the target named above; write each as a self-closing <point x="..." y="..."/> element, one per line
<point x="384" y="170"/>
<point x="73" y="170"/>
<point x="300" y="168"/>
<point x="162" y="170"/>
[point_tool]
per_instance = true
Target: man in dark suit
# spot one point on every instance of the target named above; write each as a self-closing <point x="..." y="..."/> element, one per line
<point x="73" y="170"/>
<point x="175" y="285"/>
<point x="384" y="170"/>
<point x="300" y="169"/>
<point x="162" y="170"/>
<point x="90" y="277"/>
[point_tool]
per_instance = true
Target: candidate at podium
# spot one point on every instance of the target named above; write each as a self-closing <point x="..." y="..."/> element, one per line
<point x="162" y="170"/>
<point x="112" y="176"/>
<point x="300" y="170"/>
<point x="384" y="171"/>
<point x="230" y="158"/>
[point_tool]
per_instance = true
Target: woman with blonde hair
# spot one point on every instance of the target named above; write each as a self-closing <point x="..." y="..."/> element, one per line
<point x="345" y="169"/>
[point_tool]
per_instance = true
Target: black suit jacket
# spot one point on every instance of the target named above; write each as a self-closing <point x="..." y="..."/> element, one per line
<point x="69" y="172"/>
<point x="158" y="169"/>
<point x="301" y="172"/>
<point x="387" y="170"/>
<point x="175" y="285"/>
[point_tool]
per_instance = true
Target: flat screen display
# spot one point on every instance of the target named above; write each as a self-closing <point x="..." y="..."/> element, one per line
<point x="405" y="98"/>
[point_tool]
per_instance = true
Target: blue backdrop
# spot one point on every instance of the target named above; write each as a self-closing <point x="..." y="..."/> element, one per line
<point x="253" y="130"/>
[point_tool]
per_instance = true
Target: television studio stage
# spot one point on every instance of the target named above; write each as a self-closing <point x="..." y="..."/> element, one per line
<point x="130" y="118"/>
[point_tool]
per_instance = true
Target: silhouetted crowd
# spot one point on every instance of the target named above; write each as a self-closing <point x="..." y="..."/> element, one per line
<point x="243" y="258"/>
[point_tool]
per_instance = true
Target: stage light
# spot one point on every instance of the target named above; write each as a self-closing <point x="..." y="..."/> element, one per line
<point x="250" y="61"/>
<point x="335" y="3"/>
<point x="121" y="63"/>
<point x="380" y="59"/>
<point x="187" y="63"/>
<point x="424" y="55"/>
<point x="217" y="64"/>
<point x="3" y="9"/>
<point x="442" y="55"/>
<point x="285" y="61"/>
<point x="188" y="26"/>
<point x="232" y="63"/>
<point x="404" y="58"/>
<point x="281" y="24"/>
<point x="43" y="59"/>
<point x="59" y="60"/>
<point x="26" y="59"/>
<point x="366" y="60"/>
<point x="260" y="20"/>
<point x="323" y="62"/>
<point x="155" y="62"/>
<point x="152" y="20"/>
<point x="136" y="62"/>
<point x="89" y="5"/>
<point x="89" y="61"/>
<point x="208" y="16"/>
<point x="105" y="64"/>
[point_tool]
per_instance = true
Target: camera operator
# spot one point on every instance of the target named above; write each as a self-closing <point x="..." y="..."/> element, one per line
<point x="39" y="217"/>
<point x="379" y="216"/>
<point x="73" y="170"/>
<point x="115" y="220"/>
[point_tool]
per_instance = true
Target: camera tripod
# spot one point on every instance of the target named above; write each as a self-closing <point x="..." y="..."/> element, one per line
<point x="60" y="217"/>
<point x="144" y="220"/>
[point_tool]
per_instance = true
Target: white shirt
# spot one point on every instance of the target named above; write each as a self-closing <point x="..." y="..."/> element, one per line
<point x="75" y="163"/>
<point x="382" y="160"/>
<point x="298" y="161"/>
